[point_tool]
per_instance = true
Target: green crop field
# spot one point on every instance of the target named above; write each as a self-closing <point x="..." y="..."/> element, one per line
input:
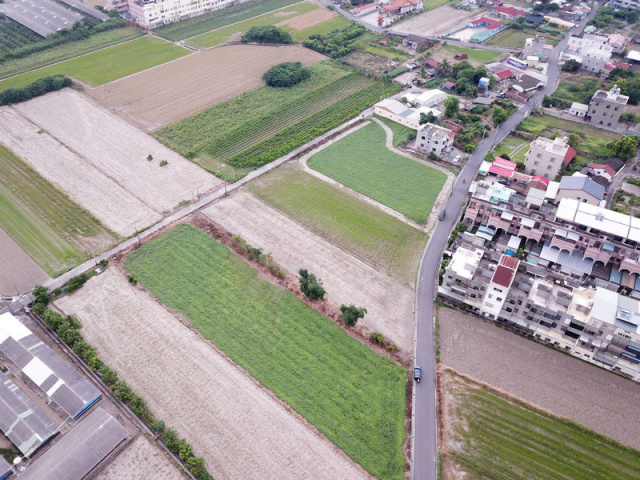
<point x="482" y="56"/>
<point x="507" y="440"/>
<point x="321" y="28"/>
<point x="401" y="134"/>
<point x="511" y="38"/>
<point x="433" y="4"/>
<point x="67" y="51"/>
<point x="516" y="148"/>
<point x="352" y="395"/>
<point x="361" y="161"/>
<point x="13" y="35"/>
<point x="378" y="239"/>
<point x="595" y="139"/>
<point x="108" y="64"/>
<point x="389" y="53"/>
<point x="42" y="219"/>
<point x="225" y="34"/>
<point x="220" y="18"/>
<point x="261" y="125"/>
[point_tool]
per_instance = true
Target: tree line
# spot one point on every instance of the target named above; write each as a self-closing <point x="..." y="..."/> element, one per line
<point x="36" y="89"/>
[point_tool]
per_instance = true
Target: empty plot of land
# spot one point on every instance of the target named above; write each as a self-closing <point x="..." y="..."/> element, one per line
<point x="436" y="22"/>
<point x="308" y="19"/>
<point x="142" y="460"/>
<point x="157" y="97"/>
<point x="118" y="149"/>
<point x="556" y="382"/>
<point x="346" y="279"/>
<point x="115" y="207"/>
<point x="18" y="271"/>
<point x="239" y="430"/>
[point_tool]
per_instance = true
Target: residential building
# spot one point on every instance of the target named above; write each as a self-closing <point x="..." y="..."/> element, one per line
<point x="582" y="189"/>
<point x="605" y="107"/>
<point x="534" y="20"/>
<point x="398" y="112"/>
<point x="547" y="157"/>
<point x="432" y="138"/>
<point x="578" y="109"/>
<point x="152" y="14"/>
<point x="617" y="42"/>
<point x="425" y="98"/>
<point x="402" y="7"/>
<point x="364" y="9"/>
<point x="537" y="47"/>
<point x="634" y="4"/>
<point x="487" y="28"/>
<point x="599" y="170"/>
<point x="592" y="51"/>
<point x="559" y="22"/>
<point x="510" y="13"/>
<point x="413" y="41"/>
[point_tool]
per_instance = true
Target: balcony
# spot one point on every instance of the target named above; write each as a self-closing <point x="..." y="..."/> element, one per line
<point x="530" y="234"/>
<point x="562" y="244"/>
<point x="597" y="255"/>
<point x="631" y="265"/>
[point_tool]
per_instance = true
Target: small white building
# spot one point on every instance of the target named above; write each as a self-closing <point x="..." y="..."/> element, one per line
<point x="432" y="138"/>
<point x="398" y="112"/>
<point x="578" y="109"/>
<point x="426" y="98"/>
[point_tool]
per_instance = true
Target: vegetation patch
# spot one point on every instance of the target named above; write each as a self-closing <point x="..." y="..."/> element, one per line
<point x="266" y="34"/>
<point x="361" y="161"/>
<point x="401" y="134"/>
<point x="483" y="56"/>
<point x="336" y="43"/>
<point x="352" y="395"/>
<point x="512" y="38"/>
<point x="387" y="244"/>
<point x="42" y="219"/>
<point x="321" y="28"/>
<point x="286" y="74"/>
<point x="106" y="65"/>
<point x="13" y="35"/>
<point x="37" y="88"/>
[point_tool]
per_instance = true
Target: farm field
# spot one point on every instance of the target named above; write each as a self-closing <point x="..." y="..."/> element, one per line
<point x="482" y="56"/>
<point x="120" y="151"/>
<point x="491" y="436"/>
<point x="437" y="22"/>
<point x="70" y="50"/>
<point x="558" y="383"/>
<point x="43" y="221"/>
<point x="511" y="38"/>
<point x="401" y="134"/>
<point x="349" y="393"/>
<point x="221" y="18"/>
<point x="114" y="206"/>
<point x="595" y="140"/>
<point x="347" y="280"/>
<point x="433" y="4"/>
<point x="216" y="406"/>
<point x="337" y="21"/>
<point x="160" y="96"/>
<point x="142" y="460"/>
<point x="13" y="259"/>
<point x="13" y="35"/>
<point x="376" y="238"/>
<point x="235" y="31"/>
<point x="106" y="65"/>
<point x="516" y="148"/>
<point x="361" y="161"/>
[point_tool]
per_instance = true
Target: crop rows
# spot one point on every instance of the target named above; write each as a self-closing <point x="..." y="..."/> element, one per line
<point x="13" y="35"/>
<point x="510" y="441"/>
<point x="312" y="126"/>
<point x="262" y="128"/>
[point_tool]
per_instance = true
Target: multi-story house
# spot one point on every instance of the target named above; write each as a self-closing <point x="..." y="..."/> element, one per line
<point x="605" y="108"/>
<point x="433" y="138"/>
<point x="547" y="157"/>
<point x="592" y="51"/>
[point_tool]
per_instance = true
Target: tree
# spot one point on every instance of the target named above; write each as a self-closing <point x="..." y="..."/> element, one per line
<point x="445" y="66"/>
<point x="490" y="156"/>
<point x="625" y="147"/>
<point x="310" y="285"/>
<point x="286" y="74"/>
<point x="451" y="106"/>
<point x="499" y="116"/>
<point x="351" y="314"/>
<point x="266" y="34"/>
<point x="427" y="118"/>
<point x="574" y="140"/>
<point x="571" y="65"/>
<point x="196" y="466"/>
<point x="184" y="450"/>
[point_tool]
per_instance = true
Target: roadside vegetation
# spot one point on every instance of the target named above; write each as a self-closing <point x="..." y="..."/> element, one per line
<point x="46" y="223"/>
<point x="361" y="161"/>
<point x="387" y="244"/>
<point x="106" y="65"/>
<point x="352" y="395"/>
<point x="506" y="439"/>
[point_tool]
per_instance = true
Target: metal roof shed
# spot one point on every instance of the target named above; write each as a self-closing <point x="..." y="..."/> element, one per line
<point x="79" y="450"/>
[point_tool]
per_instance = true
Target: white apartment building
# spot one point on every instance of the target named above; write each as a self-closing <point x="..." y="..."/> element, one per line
<point x="546" y="157"/>
<point x="593" y="51"/>
<point x="432" y="138"/>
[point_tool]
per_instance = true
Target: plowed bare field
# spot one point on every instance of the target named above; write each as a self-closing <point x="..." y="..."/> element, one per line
<point x="436" y="22"/>
<point x="18" y="271"/>
<point x="118" y="150"/>
<point x="142" y="460"/>
<point x="347" y="280"/>
<point x="160" y="96"/>
<point x="239" y="429"/>
<point x="308" y="19"/>
<point x="114" y="206"/>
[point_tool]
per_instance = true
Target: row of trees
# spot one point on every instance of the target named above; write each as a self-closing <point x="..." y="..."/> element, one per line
<point x="338" y="42"/>
<point x="266" y="34"/>
<point x="37" y="88"/>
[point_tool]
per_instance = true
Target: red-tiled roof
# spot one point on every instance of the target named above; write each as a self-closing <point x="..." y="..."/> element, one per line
<point x="509" y="262"/>
<point x="488" y="22"/>
<point x="501" y="171"/>
<point x="432" y="63"/>
<point x="503" y="275"/>
<point x="541" y="179"/>
<point x="503" y="162"/>
<point x="398" y="4"/>
<point x="451" y="134"/>
<point x="461" y="55"/>
<point x="609" y="68"/>
<point x="362" y="8"/>
<point x="502" y="74"/>
<point x="624" y="65"/>
<point x="522" y="177"/>
<point x="606" y="168"/>
<point x="571" y="153"/>
<point x="449" y="85"/>
<point x="511" y="11"/>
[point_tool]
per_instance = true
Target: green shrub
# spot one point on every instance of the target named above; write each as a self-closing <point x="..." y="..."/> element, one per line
<point x="310" y="285"/>
<point x="36" y="89"/>
<point x="266" y="34"/>
<point x="336" y="43"/>
<point x="286" y="74"/>
<point x="351" y="314"/>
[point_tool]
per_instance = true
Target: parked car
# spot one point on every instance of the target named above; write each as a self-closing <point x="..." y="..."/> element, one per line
<point x="442" y="214"/>
<point x="417" y="373"/>
<point x="457" y="159"/>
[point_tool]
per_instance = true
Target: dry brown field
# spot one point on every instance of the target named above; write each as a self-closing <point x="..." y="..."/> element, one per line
<point x="308" y="19"/>
<point x="556" y="382"/>
<point x="162" y="95"/>
<point x="142" y="460"/>
<point x="118" y="150"/>
<point x="101" y="195"/>
<point x="240" y="430"/>
<point x="436" y="22"/>
<point x="347" y="280"/>
<point x="18" y="271"/>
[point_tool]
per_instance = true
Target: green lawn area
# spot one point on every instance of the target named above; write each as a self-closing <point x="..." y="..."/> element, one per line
<point x="595" y="140"/>
<point x="508" y="440"/>
<point x="352" y="395"/>
<point x="433" y="4"/>
<point x="401" y="134"/>
<point x="42" y="219"/>
<point x="376" y="238"/>
<point x="516" y="38"/>
<point x="361" y="161"/>
<point x="483" y="56"/>
<point x="321" y="28"/>
<point x="69" y="50"/>
<point x="516" y="148"/>
<point x="225" y="34"/>
<point x="577" y="92"/>
<point x="108" y="64"/>
<point x="220" y="18"/>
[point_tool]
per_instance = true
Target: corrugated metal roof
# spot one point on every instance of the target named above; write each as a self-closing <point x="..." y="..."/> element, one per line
<point x="70" y="390"/>
<point x="79" y="450"/>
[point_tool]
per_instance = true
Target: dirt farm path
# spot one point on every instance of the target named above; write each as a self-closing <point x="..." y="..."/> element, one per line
<point x="347" y="280"/>
<point x="241" y="430"/>
<point x="547" y="378"/>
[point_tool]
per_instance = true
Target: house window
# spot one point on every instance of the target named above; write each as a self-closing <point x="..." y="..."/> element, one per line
<point x="423" y="138"/>
<point x="536" y="163"/>
<point x="616" y="109"/>
<point x="608" y="107"/>
<point x="539" y="155"/>
<point x="553" y="159"/>
<point x="609" y="124"/>
<point x="601" y="122"/>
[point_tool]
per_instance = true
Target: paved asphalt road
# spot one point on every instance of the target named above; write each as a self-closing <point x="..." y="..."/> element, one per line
<point x="425" y="443"/>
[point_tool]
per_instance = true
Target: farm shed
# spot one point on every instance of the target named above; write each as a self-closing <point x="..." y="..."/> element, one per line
<point x="59" y="380"/>
<point x="449" y="85"/>
<point x="460" y="56"/>
<point x="79" y="450"/>
<point x="21" y="420"/>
